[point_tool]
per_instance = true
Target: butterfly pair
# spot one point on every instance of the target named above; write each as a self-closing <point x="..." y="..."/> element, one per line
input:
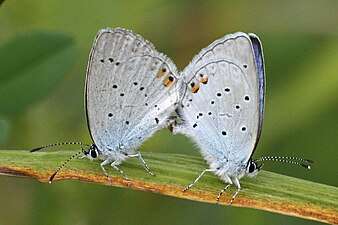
<point x="133" y="91"/>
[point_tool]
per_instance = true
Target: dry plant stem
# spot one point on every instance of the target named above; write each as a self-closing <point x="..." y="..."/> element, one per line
<point x="268" y="191"/>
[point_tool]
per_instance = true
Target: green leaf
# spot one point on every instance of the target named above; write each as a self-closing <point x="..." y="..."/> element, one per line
<point x="4" y="128"/>
<point x="268" y="191"/>
<point x="32" y="64"/>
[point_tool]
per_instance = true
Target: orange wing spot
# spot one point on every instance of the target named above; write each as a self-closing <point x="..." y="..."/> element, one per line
<point x="195" y="88"/>
<point x="204" y="80"/>
<point x="168" y="81"/>
<point x="161" y="73"/>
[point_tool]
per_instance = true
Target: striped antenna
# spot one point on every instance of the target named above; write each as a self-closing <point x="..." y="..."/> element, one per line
<point x="62" y="165"/>
<point x="286" y="159"/>
<point x="57" y="144"/>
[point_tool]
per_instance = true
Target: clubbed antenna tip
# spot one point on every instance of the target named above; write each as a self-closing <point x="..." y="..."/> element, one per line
<point x="52" y="177"/>
<point x="305" y="166"/>
<point x="309" y="161"/>
<point x="36" y="149"/>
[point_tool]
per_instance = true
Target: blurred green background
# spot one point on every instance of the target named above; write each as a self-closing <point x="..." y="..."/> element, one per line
<point x="300" y="41"/>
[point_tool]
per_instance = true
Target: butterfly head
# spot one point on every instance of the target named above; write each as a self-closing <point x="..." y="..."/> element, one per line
<point x="92" y="152"/>
<point x="252" y="168"/>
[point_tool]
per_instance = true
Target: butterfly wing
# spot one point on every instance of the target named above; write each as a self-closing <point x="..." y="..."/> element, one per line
<point x="223" y="103"/>
<point x="259" y="58"/>
<point x="130" y="89"/>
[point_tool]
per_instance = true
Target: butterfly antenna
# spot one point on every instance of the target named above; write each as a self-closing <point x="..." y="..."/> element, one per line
<point x="57" y="144"/>
<point x="286" y="159"/>
<point x="63" y="165"/>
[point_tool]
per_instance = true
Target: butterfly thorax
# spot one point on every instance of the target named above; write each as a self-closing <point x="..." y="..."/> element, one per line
<point x="229" y="168"/>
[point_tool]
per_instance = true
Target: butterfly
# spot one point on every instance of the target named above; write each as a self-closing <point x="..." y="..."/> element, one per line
<point x="222" y="105"/>
<point x="131" y="90"/>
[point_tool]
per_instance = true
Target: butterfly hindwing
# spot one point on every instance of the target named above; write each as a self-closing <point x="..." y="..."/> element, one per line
<point x="130" y="89"/>
<point x="221" y="106"/>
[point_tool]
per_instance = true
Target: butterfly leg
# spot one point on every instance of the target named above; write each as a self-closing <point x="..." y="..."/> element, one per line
<point x="116" y="162"/>
<point x="143" y="162"/>
<point x="227" y="180"/>
<point x="195" y="181"/>
<point x="236" y="181"/>
<point x="105" y="162"/>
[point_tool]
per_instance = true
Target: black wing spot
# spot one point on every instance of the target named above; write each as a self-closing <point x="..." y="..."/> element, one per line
<point x="110" y="114"/>
<point x="117" y="63"/>
<point x="219" y="94"/>
<point x="209" y="113"/>
<point x="127" y="122"/>
<point x="111" y="60"/>
<point x="122" y="94"/>
<point x="224" y="133"/>
<point x="157" y="120"/>
<point x="237" y="107"/>
<point x="247" y="98"/>
<point x="102" y="60"/>
<point x="115" y="86"/>
<point x="245" y="66"/>
<point x="141" y="88"/>
<point x="243" y="128"/>
<point x="212" y="102"/>
<point x="227" y="89"/>
<point x="195" y="125"/>
<point x="135" y="83"/>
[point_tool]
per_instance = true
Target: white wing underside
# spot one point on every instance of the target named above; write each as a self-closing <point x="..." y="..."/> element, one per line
<point x="130" y="90"/>
<point x="223" y="115"/>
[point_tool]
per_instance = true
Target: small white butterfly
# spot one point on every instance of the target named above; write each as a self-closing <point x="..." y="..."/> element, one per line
<point x="222" y="107"/>
<point x="131" y="90"/>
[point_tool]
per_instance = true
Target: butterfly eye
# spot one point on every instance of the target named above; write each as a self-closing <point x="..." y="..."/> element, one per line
<point x="252" y="167"/>
<point x="93" y="153"/>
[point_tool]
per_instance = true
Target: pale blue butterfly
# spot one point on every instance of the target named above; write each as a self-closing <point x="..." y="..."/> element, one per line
<point x="131" y="90"/>
<point x="222" y="107"/>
